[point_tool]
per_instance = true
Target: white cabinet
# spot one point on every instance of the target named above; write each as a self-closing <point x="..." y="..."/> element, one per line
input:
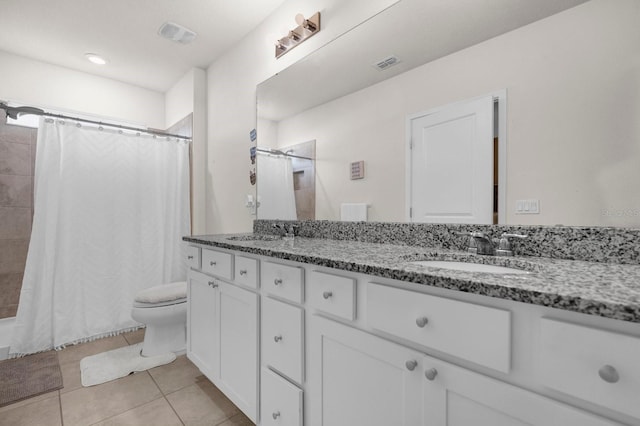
<point x="454" y="396"/>
<point x="281" y="402"/>
<point x="283" y="338"/>
<point x="592" y="364"/>
<point x="222" y="338"/>
<point x="238" y="322"/>
<point x="361" y="379"/>
<point x="203" y="342"/>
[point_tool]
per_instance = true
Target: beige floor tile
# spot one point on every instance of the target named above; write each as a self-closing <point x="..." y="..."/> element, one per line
<point x="86" y="406"/>
<point x="237" y="420"/>
<point x="28" y="401"/>
<point x="70" y="376"/>
<point x="134" y="336"/>
<point x="176" y="375"/>
<point x="77" y="352"/>
<point x="44" y="412"/>
<point x="202" y="403"/>
<point x="156" y="413"/>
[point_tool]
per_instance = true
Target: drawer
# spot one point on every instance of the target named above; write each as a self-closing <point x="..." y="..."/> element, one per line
<point x="476" y="333"/>
<point x="584" y="362"/>
<point x="332" y="294"/>
<point x="281" y="402"/>
<point x="193" y="257"/>
<point x="217" y="263"/>
<point x="282" y="338"/>
<point x="283" y="281"/>
<point x="246" y="271"/>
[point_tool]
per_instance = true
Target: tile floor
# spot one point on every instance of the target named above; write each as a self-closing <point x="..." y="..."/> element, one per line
<point x="172" y="394"/>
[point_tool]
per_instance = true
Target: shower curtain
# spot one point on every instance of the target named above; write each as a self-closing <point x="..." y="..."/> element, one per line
<point x="275" y="188"/>
<point x="110" y="211"/>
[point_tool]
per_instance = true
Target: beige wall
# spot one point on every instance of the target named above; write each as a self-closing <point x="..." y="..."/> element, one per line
<point x="232" y="81"/>
<point x="573" y="88"/>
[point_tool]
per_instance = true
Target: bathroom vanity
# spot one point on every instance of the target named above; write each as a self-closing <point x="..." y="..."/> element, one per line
<point x="319" y="331"/>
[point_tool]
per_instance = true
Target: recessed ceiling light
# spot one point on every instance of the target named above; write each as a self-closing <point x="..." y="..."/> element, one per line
<point x="96" y="59"/>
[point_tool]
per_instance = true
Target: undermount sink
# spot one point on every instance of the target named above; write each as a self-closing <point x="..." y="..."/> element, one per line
<point x="255" y="237"/>
<point x="455" y="265"/>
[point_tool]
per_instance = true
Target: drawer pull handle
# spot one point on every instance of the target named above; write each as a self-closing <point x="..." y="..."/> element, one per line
<point x="213" y="284"/>
<point x="189" y="257"/>
<point x="431" y="373"/>
<point x="609" y="374"/>
<point x="277" y="338"/>
<point x="277" y="281"/>
<point x="411" y="364"/>
<point x="422" y="321"/>
<point x="212" y="263"/>
<point x="327" y="294"/>
<point x="275" y="415"/>
<point x="243" y="272"/>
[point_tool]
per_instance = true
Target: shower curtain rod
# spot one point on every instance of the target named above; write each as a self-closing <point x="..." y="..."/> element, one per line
<point x="278" y="152"/>
<point x="15" y="112"/>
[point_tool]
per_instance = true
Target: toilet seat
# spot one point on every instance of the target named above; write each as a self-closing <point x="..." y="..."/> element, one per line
<point x="162" y="295"/>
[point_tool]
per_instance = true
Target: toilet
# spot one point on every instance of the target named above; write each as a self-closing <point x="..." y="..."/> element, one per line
<point x="163" y="309"/>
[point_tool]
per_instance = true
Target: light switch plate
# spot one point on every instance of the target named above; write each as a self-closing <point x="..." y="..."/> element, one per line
<point x="527" y="206"/>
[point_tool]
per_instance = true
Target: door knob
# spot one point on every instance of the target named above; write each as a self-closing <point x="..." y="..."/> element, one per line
<point x="277" y="338"/>
<point x="275" y="415"/>
<point x="422" y="321"/>
<point x="411" y="364"/>
<point x="431" y="373"/>
<point x="609" y="374"/>
<point x="277" y="281"/>
<point x="327" y="294"/>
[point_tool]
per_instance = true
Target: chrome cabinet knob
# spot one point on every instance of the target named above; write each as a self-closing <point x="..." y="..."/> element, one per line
<point x="277" y="281"/>
<point x="189" y="257"/>
<point x="411" y="364"/>
<point x="431" y="373"/>
<point x="213" y="284"/>
<point x="609" y="374"/>
<point x="327" y="294"/>
<point x="275" y="415"/>
<point x="422" y="321"/>
<point x="212" y="263"/>
<point x="277" y="338"/>
<point x="243" y="272"/>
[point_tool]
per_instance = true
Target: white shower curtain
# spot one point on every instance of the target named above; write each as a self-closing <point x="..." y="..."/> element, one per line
<point x="110" y="210"/>
<point x="275" y="188"/>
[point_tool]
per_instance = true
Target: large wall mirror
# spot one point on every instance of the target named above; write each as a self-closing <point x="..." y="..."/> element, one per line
<point x="571" y="73"/>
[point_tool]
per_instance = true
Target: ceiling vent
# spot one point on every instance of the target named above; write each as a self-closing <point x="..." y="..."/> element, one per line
<point x="387" y="62"/>
<point x="177" y="33"/>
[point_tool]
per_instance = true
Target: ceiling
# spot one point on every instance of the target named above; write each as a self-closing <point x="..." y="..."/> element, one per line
<point x="60" y="32"/>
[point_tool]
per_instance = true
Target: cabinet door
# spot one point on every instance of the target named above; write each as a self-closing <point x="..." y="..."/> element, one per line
<point x="238" y="321"/>
<point x="202" y="323"/>
<point x="361" y="379"/>
<point x="454" y="396"/>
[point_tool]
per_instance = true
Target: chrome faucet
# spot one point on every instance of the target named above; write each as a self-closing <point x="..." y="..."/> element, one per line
<point x="480" y="243"/>
<point x="286" y="230"/>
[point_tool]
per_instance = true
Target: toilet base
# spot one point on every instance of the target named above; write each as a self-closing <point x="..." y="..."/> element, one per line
<point x="161" y="339"/>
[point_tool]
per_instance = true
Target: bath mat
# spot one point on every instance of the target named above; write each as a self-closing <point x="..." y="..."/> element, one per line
<point x="32" y="375"/>
<point x="111" y="365"/>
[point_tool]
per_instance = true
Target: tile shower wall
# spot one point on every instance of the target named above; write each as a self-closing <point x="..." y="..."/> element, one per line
<point x="17" y="159"/>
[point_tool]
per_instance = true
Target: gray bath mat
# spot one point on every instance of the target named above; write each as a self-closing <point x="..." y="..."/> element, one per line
<point x="32" y="375"/>
<point x="111" y="365"/>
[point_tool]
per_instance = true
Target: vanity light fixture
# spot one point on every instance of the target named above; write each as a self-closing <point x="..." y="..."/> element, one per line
<point x="305" y="29"/>
<point x="96" y="59"/>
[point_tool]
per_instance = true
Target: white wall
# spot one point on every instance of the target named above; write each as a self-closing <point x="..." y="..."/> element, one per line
<point x="573" y="84"/>
<point x="231" y="99"/>
<point x="189" y="95"/>
<point x="31" y="82"/>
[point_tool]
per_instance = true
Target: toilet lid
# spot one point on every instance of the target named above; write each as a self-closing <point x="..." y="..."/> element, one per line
<point x="165" y="294"/>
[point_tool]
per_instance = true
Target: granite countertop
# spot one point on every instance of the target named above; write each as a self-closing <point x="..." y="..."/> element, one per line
<point x="603" y="289"/>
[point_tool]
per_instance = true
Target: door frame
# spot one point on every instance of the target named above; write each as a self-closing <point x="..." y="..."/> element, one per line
<point x="501" y="97"/>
